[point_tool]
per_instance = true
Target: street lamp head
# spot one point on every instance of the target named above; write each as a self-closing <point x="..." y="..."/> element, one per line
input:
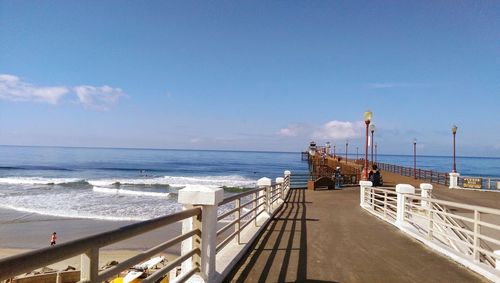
<point x="414" y="140"/>
<point x="372" y="128"/>
<point x="368" y="117"/>
<point x="454" y="129"/>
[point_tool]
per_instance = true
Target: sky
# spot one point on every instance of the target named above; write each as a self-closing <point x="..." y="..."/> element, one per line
<point x="251" y="75"/>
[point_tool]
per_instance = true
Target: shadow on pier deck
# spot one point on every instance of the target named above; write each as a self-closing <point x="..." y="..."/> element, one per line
<point x="324" y="236"/>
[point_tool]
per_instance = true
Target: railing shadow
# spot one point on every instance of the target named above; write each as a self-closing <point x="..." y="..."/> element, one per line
<point x="275" y="253"/>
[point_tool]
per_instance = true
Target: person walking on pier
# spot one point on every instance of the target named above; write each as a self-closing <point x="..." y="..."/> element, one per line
<point x="53" y="239"/>
<point x="337" y="176"/>
<point x="375" y="177"/>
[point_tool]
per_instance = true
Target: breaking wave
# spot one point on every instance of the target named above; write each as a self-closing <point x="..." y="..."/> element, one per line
<point x="39" y="181"/>
<point x="128" y="192"/>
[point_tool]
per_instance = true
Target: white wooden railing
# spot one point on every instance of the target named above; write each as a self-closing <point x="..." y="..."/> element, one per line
<point x="204" y="236"/>
<point x="466" y="233"/>
<point x="89" y="247"/>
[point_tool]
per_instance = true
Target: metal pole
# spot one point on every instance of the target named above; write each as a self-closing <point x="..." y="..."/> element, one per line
<point x="372" y="146"/>
<point x="415" y="159"/>
<point x="454" y="158"/>
<point x="365" y="170"/>
<point x="376" y="153"/>
<point x="357" y="148"/>
<point x="346" y="145"/>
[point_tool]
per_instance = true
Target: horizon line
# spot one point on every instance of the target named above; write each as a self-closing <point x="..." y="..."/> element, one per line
<point x="228" y="150"/>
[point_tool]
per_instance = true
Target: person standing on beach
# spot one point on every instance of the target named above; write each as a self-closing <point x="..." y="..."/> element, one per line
<point x="53" y="239"/>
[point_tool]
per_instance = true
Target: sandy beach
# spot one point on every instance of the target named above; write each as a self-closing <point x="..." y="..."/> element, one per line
<point x="21" y="232"/>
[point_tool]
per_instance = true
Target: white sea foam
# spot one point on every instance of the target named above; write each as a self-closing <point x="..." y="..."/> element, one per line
<point x="180" y="181"/>
<point x="90" y="205"/>
<point x="105" y="190"/>
<point x="143" y="181"/>
<point x="128" y="192"/>
<point x="38" y="181"/>
<point x="219" y="181"/>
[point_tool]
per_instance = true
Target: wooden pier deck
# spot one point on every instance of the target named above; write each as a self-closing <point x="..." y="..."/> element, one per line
<point x="324" y="236"/>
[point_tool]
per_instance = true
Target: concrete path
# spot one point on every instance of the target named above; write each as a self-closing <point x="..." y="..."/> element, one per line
<point x="324" y="236"/>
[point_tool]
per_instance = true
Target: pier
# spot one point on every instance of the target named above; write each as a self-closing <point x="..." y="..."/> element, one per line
<point x="404" y="231"/>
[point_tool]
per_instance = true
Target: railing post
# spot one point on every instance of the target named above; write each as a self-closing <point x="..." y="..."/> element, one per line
<point x="497" y="259"/>
<point x="431" y="222"/>
<point x="89" y="262"/>
<point x="385" y="205"/>
<point x="255" y="203"/>
<point x="265" y="185"/>
<point x="288" y="180"/>
<point x="362" y="188"/>
<point x="279" y="184"/>
<point x="208" y="199"/>
<point x="426" y="190"/>
<point x="238" y="222"/>
<point x="401" y="190"/>
<point x="477" y="232"/>
<point x="268" y="199"/>
<point x="454" y="180"/>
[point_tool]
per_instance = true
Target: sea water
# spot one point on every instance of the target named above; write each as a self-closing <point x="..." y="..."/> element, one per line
<point x="139" y="184"/>
<point x="125" y="184"/>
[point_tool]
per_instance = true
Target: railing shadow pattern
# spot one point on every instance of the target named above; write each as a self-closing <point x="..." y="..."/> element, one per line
<point x="281" y="250"/>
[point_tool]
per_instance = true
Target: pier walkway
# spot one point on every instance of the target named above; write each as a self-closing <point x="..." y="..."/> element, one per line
<point x="325" y="236"/>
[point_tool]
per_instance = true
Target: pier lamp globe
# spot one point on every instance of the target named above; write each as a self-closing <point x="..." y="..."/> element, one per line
<point x="454" y="132"/>
<point x="367" y="118"/>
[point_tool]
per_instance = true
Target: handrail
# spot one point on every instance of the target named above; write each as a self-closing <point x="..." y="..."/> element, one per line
<point x="26" y="262"/>
<point x="432" y="218"/>
<point x="424" y="174"/>
<point x="458" y="205"/>
<point x="240" y="195"/>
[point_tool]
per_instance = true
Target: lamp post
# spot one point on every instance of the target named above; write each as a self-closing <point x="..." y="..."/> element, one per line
<point x="376" y="153"/>
<point x="372" y="129"/>
<point x="346" y="145"/>
<point x="415" y="158"/>
<point x="454" y="131"/>
<point x="357" y="149"/>
<point x="368" y="118"/>
<point x="334" y="147"/>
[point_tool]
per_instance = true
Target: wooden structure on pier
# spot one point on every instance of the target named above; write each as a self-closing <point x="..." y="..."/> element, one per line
<point x="323" y="165"/>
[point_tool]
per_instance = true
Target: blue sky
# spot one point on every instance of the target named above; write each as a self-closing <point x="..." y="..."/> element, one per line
<point x="251" y="75"/>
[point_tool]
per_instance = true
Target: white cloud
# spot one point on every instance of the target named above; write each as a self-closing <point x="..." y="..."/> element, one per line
<point x="14" y="89"/>
<point x="98" y="98"/>
<point x="339" y="130"/>
<point x="291" y="131"/>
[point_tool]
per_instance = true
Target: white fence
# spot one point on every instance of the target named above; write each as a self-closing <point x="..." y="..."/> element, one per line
<point x="207" y="254"/>
<point x="466" y="233"/>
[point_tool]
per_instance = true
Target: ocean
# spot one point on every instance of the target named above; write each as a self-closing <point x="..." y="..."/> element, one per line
<point x="125" y="184"/>
<point x="140" y="184"/>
